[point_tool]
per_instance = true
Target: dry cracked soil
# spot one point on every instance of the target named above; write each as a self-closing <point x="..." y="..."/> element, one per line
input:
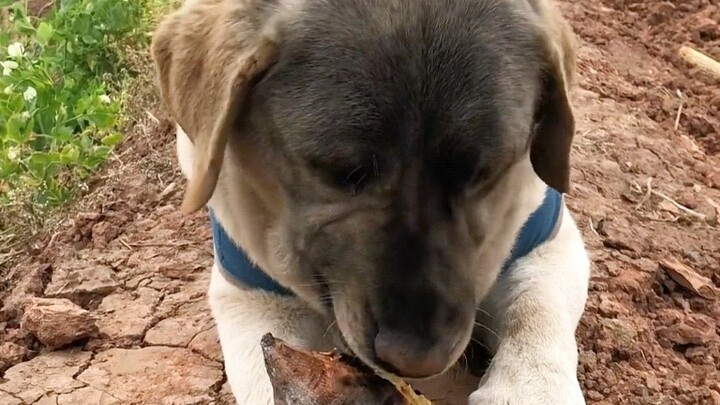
<point x="111" y="308"/>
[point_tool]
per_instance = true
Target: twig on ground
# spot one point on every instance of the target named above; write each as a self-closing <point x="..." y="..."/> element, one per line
<point x="647" y="195"/>
<point x="592" y="228"/>
<point x="650" y="192"/>
<point x="699" y="59"/>
<point x="677" y="117"/>
<point x="152" y="117"/>
<point x="680" y="206"/>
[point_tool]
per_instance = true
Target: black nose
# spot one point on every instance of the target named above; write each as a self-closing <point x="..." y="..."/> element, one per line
<point x="408" y="356"/>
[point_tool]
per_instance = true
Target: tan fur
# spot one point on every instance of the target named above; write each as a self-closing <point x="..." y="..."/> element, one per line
<point x="550" y="152"/>
<point x="207" y="55"/>
<point x="560" y="39"/>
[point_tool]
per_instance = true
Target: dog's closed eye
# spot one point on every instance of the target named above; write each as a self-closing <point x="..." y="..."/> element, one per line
<point x="348" y="176"/>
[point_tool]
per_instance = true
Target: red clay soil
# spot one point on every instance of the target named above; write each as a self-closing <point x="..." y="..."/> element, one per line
<point x="646" y="196"/>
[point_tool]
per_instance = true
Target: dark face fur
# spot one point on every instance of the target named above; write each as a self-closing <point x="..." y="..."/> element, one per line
<point x="389" y="122"/>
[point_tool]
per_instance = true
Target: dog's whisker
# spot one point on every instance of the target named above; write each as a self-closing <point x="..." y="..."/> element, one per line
<point x="484" y="312"/>
<point x="486" y="328"/>
<point x="333" y="323"/>
<point x="466" y="366"/>
<point x="352" y="173"/>
<point x="480" y="343"/>
<point x="321" y="283"/>
<point x="360" y="180"/>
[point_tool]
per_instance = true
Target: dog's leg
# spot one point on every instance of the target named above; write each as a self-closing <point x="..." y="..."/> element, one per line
<point x="242" y="318"/>
<point x="530" y="317"/>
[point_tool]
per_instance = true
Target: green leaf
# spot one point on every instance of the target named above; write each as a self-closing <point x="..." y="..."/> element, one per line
<point x="23" y="26"/>
<point x="5" y="3"/>
<point x="16" y="129"/>
<point x="86" y="142"/>
<point x="62" y="134"/>
<point x="69" y="155"/>
<point x="39" y="163"/>
<point x="44" y="33"/>
<point x="111" y="140"/>
<point x="4" y="38"/>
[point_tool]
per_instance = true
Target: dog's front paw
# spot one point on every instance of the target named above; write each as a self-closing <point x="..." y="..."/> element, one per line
<point x="529" y="394"/>
<point x="522" y="383"/>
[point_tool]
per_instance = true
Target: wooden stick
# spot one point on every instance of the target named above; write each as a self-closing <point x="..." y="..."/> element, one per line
<point x="697" y="58"/>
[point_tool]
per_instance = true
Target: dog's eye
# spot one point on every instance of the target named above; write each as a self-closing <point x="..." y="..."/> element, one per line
<point x="355" y="179"/>
<point x="351" y="177"/>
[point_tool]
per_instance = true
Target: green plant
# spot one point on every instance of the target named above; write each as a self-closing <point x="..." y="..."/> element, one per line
<point x="60" y="101"/>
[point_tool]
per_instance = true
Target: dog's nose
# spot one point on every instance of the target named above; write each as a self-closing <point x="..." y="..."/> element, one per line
<point x="407" y="356"/>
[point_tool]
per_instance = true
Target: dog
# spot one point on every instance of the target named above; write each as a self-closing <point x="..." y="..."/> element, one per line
<point x="386" y="176"/>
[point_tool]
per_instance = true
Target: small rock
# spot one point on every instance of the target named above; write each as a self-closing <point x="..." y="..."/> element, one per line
<point x="82" y="283"/>
<point x="10" y="355"/>
<point x="46" y="374"/>
<point x="619" y="236"/>
<point x="104" y="232"/>
<point x="713" y="179"/>
<point x="57" y="322"/>
<point x="28" y="287"/>
<point x="715" y="398"/>
<point x="609" y="167"/>
<point x="621" y="331"/>
<point x="177" y="331"/>
<point x="694" y="330"/>
<point x="653" y="384"/>
<point x="87" y="395"/>
<point x="689" y="199"/>
<point x="176" y="271"/>
<point x="47" y="399"/>
<point x="632" y="282"/>
<point x="696" y="354"/>
<point x="610" y="308"/>
<point x="7" y="399"/>
<point x="207" y="343"/>
<point x="148" y="374"/>
<point x="226" y="396"/>
<point x="127" y="316"/>
<point x="688" y="278"/>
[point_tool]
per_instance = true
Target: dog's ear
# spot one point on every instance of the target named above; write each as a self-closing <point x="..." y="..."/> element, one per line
<point x="208" y="55"/>
<point x="554" y="119"/>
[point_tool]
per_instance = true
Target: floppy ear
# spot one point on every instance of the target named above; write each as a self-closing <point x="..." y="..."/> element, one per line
<point x="554" y="119"/>
<point x="208" y="55"/>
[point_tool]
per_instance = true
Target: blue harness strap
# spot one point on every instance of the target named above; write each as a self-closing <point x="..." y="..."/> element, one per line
<point x="237" y="265"/>
<point x="540" y="226"/>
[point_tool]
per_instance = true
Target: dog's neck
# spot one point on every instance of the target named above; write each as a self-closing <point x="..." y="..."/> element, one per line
<point x="541" y="226"/>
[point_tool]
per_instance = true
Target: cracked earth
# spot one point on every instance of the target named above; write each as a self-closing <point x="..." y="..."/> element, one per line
<point x="110" y="307"/>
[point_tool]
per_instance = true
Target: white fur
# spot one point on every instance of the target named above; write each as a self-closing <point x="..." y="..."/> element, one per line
<point x="530" y="318"/>
<point x="531" y="313"/>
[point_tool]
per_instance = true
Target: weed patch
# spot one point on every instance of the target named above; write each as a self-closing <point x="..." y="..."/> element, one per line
<point x="64" y="69"/>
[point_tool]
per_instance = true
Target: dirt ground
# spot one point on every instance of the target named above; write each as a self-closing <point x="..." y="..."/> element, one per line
<point x="646" y="196"/>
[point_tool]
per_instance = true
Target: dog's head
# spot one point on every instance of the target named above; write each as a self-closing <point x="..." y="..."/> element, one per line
<point x="388" y="146"/>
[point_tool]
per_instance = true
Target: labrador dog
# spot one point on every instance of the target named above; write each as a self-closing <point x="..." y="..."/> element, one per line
<point x="385" y="175"/>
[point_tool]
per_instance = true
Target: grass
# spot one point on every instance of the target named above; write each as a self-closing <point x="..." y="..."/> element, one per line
<point x="73" y="74"/>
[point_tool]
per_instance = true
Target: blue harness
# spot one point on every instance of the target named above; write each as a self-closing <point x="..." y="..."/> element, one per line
<point x="540" y="226"/>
